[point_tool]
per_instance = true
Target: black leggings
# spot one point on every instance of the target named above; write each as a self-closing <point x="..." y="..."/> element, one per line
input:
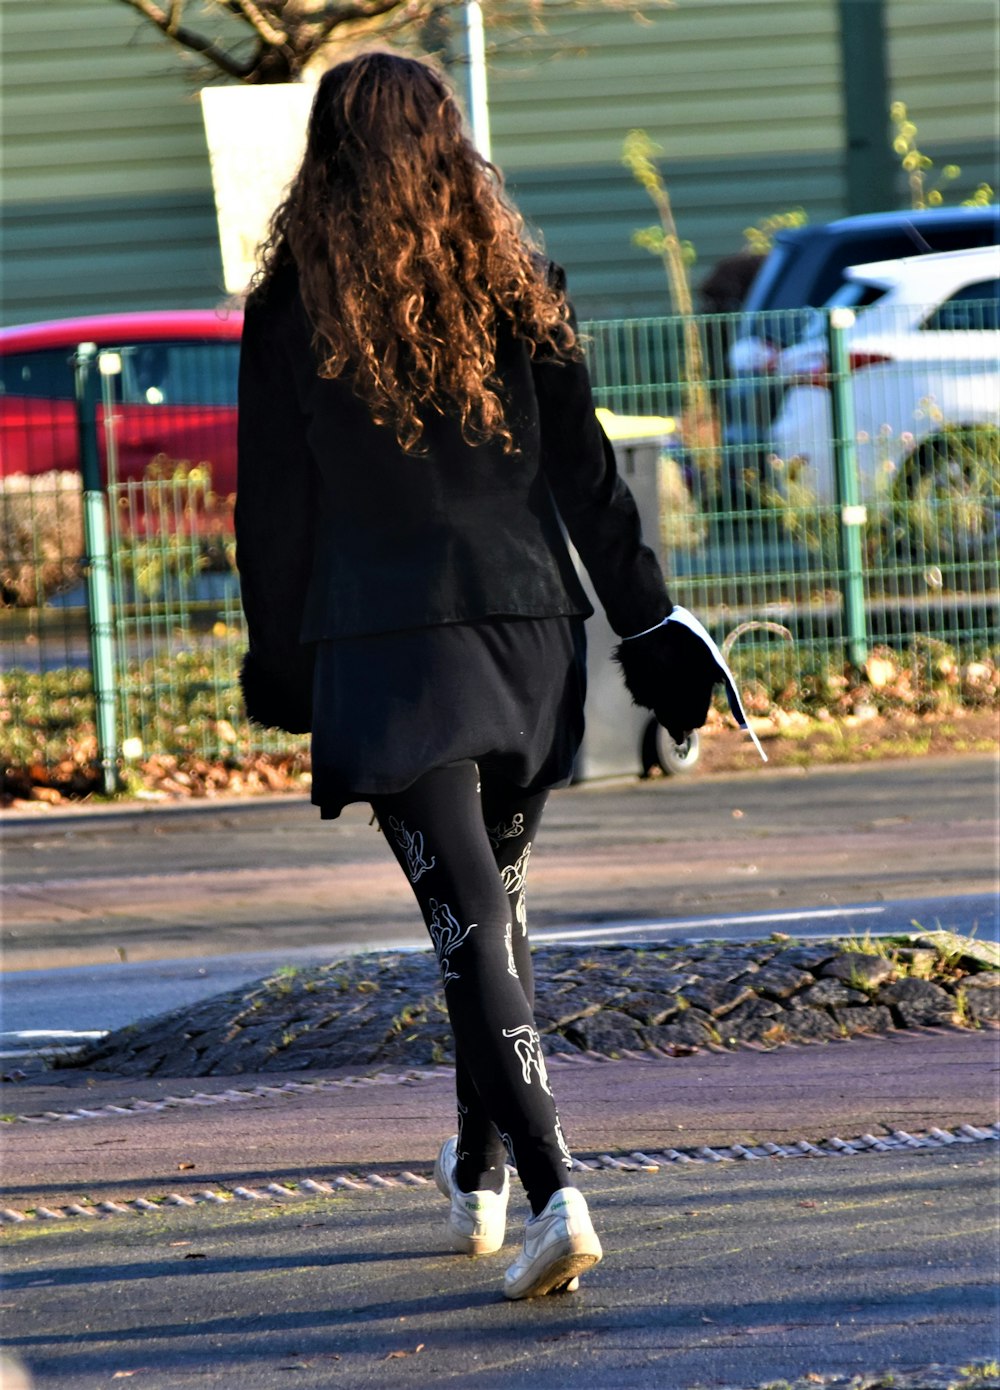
<point x="451" y="837"/>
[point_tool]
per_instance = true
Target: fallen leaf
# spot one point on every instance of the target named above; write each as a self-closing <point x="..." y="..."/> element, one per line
<point x="394" y="1355"/>
<point x="183" y="1167"/>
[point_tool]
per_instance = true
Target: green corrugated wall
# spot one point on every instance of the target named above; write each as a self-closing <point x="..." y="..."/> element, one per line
<point x="106" y="191"/>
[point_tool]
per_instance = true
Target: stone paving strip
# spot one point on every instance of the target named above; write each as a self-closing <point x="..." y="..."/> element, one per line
<point x="978" y="1375"/>
<point x="388" y="1010"/>
<point x="635" y="1162"/>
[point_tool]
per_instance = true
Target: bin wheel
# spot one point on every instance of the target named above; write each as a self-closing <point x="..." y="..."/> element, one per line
<point x="673" y="759"/>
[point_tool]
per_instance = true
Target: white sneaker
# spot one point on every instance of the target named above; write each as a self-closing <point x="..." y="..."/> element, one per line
<point x="559" y="1244"/>
<point x="477" y="1222"/>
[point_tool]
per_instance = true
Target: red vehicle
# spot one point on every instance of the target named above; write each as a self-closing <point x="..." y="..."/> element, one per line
<point x="172" y="401"/>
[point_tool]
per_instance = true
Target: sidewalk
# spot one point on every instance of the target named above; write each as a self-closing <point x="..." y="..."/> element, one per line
<point x="717" y="1273"/>
<point x="344" y="1125"/>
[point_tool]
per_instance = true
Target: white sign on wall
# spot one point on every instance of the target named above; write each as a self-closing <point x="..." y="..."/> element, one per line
<point x="256" y="138"/>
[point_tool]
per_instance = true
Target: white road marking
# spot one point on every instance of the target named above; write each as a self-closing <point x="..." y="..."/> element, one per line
<point x="673" y="924"/>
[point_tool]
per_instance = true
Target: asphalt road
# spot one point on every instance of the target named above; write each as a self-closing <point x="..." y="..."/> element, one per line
<point x="725" y="1275"/>
<point x="256" y="877"/>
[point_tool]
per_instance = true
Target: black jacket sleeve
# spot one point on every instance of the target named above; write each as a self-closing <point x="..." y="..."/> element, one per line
<point x="275" y="514"/>
<point x="596" y="506"/>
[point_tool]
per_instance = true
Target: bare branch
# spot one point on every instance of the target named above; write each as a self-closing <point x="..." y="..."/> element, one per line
<point x="187" y="38"/>
<point x="329" y="16"/>
<point x="259" y="23"/>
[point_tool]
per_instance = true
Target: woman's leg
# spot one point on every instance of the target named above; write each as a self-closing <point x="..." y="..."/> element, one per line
<point x="437" y="831"/>
<point x="512" y="818"/>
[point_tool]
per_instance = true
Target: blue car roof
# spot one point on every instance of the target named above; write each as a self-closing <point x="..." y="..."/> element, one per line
<point x="885" y="221"/>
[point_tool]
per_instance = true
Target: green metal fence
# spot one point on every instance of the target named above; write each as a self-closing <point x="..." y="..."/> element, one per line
<point x="843" y="496"/>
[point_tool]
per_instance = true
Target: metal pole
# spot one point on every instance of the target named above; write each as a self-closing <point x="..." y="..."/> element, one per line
<point x="853" y="515"/>
<point x="98" y="559"/>
<point x="479" y="110"/>
<point x="870" y="171"/>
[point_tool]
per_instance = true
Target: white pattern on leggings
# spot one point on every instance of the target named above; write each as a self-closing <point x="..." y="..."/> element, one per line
<point x="528" y="1046"/>
<point x="463" y="1111"/>
<point x="508" y="1144"/>
<point x="508" y="941"/>
<point x="411" y="842"/>
<point x="567" y="1157"/>
<point x="447" y="935"/>
<point x="504" y="831"/>
<point x="513" y="877"/>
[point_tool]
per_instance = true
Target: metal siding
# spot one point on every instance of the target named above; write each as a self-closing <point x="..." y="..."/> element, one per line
<point x="87" y="256"/>
<point x="588" y="215"/>
<point x="106" y="178"/>
<point x="744" y="100"/>
<point x="109" y="109"/>
<point x="943" y="63"/>
<point x="711" y="80"/>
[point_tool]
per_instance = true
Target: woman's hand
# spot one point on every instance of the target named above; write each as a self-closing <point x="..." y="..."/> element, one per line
<point x="671" y="672"/>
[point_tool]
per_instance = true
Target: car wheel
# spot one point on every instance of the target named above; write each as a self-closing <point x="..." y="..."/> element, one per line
<point x="948" y="489"/>
<point x="673" y="759"/>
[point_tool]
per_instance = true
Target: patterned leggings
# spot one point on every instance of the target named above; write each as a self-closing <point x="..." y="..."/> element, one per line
<point x="451" y="838"/>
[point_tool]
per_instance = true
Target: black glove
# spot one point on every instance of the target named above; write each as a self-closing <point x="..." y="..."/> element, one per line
<point x="280" y="698"/>
<point x="671" y="672"/>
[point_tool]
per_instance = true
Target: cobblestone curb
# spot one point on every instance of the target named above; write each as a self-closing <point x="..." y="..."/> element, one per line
<point x="978" y="1375"/>
<point x="388" y="1010"/>
<point x="634" y="1162"/>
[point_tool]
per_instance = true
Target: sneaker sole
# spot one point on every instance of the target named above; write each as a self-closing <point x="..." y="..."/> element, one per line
<point x="561" y="1275"/>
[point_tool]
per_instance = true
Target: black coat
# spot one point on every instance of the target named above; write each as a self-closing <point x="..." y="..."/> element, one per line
<point x="340" y="533"/>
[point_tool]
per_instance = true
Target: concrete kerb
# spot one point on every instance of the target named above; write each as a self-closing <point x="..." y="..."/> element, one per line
<point x="122" y="1141"/>
<point x="635" y="1162"/>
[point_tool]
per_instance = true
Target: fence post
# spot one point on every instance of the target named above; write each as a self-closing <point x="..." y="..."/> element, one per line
<point x="853" y="515"/>
<point x="95" y="535"/>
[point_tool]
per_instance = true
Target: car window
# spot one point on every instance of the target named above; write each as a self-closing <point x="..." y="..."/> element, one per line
<point x="972" y="307"/>
<point x="852" y="294"/>
<point x="770" y="274"/>
<point x="46" y="375"/>
<point x="166" y="373"/>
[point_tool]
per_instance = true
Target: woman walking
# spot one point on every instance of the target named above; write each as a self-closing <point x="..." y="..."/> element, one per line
<point x="415" y="420"/>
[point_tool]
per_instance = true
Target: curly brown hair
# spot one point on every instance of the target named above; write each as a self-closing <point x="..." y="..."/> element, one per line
<point x="407" y="251"/>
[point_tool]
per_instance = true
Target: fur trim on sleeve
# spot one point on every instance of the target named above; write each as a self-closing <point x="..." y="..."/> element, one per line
<point x="279" y="699"/>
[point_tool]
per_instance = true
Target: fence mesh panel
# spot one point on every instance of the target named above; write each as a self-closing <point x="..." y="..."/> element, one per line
<point x="751" y="524"/>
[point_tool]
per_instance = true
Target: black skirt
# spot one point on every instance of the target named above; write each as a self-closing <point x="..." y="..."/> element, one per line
<point x="506" y="693"/>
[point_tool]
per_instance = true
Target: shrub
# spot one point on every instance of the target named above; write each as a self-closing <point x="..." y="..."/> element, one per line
<point x="41" y="537"/>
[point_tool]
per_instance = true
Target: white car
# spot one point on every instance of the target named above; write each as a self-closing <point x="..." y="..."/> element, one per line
<point x="924" y="353"/>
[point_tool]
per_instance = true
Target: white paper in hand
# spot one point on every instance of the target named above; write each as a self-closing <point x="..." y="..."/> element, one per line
<point x="681" y="615"/>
